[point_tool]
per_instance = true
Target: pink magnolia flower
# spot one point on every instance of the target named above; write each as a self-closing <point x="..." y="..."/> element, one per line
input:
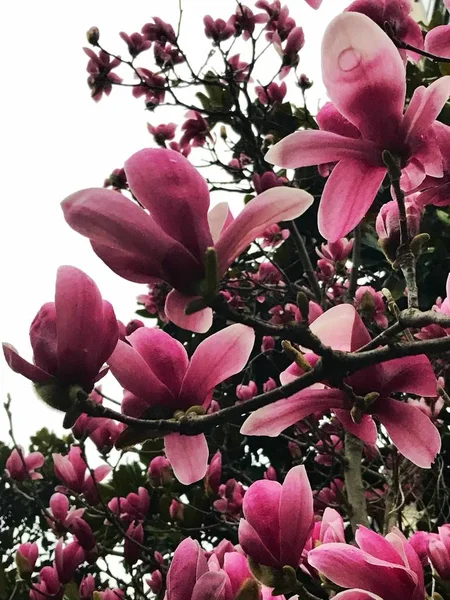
<point x="101" y="78"/>
<point x="189" y="577"/>
<point x="48" y="585"/>
<point x="245" y="392"/>
<point x="244" y="21"/>
<point x="214" y="473"/>
<point x="337" y="251"/>
<point x="437" y="41"/>
<point x="152" y="86"/>
<point x="68" y="559"/>
<point x="196" y="130"/>
<point x="218" y="29"/>
<point x="371" y="305"/>
<point x="231" y="497"/>
<point x="176" y="511"/>
<point x="83" y="534"/>
<point x="64" y="516"/>
<point x="387" y="225"/>
<point x="162" y="133"/>
<point x="397" y="15"/>
<point x="329" y="529"/>
<point x="268" y="343"/>
<point x="159" y="31"/>
<point x="273" y="236"/>
<point x="381" y="568"/>
<point x="238" y="69"/>
<point x="132" y="545"/>
<point x="155" y="370"/>
<point x="439" y="551"/>
<point x="155" y="582"/>
<point x="267" y="180"/>
<point x="26" y="557"/>
<point x="71" y="339"/>
<point x="167" y="56"/>
<point x="87" y="587"/>
<point x="132" y="508"/>
<point x="277" y="519"/>
<point x="410" y="429"/>
<point x="170" y="244"/>
<point x="289" y="53"/>
<point x="367" y="118"/>
<point x="72" y="470"/>
<point x="21" y="467"/>
<point x="160" y="470"/>
<point x="271" y="94"/>
<point x="136" y="43"/>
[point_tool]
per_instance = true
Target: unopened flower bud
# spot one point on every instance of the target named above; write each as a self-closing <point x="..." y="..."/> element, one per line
<point x="26" y="557"/>
<point x="93" y="35"/>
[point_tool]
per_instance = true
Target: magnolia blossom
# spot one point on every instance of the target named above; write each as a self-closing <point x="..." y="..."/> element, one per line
<point x="364" y="75"/>
<point x="381" y="568"/>
<point x="170" y="243"/>
<point x="21" y="467"/>
<point x="71" y="339"/>
<point x="277" y="519"/>
<point x="26" y="557"/>
<point x="159" y="378"/>
<point x="410" y="429"/>
<point x="439" y="551"/>
<point x="72" y="470"/>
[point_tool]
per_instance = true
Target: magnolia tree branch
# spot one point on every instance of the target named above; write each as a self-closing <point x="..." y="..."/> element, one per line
<point x="305" y="260"/>
<point x="356" y="261"/>
<point x="354" y="486"/>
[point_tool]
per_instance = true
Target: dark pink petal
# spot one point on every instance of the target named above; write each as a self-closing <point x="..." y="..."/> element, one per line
<point x="366" y="430"/>
<point x="364" y="76"/>
<point x="133" y="267"/>
<point x="411" y="431"/>
<point x="188" y="455"/>
<point x="219" y="217"/>
<point x="307" y="148"/>
<point x="210" y="586"/>
<point x="188" y="565"/>
<point x="34" y="460"/>
<point x="347" y="196"/>
<point x="175" y="307"/>
<point x="236" y="567"/>
<point x="134" y="374"/>
<point x="296" y="515"/>
<point x="330" y="119"/>
<point x="272" y="419"/>
<point x="165" y="355"/>
<point x="341" y="328"/>
<point x="175" y="193"/>
<point x="425" y="106"/>
<point x="253" y="546"/>
<point x="43" y="338"/>
<point x="261" y="509"/>
<point x="23" y="367"/>
<point x="356" y="595"/>
<point x="221" y="355"/>
<point x="270" y="207"/>
<point x="437" y="41"/>
<point x="411" y="374"/>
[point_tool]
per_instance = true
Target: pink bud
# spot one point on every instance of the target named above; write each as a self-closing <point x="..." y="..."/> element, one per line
<point x="68" y="559"/>
<point x="245" y="392"/>
<point x="87" y="587"/>
<point x="387" y="225"/>
<point x="155" y="582"/>
<point x="160" y="471"/>
<point x="83" y="533"/>
<point x="131" y="547"/>
<point x="26" y="557"/>
<point x="271" y="474"/>
<point x="176" y="511"/>
<point x="214" y="473"/>
<point x="21" y="467"/>
<point x="269" y="385"/>
<point x="268" y="343"/>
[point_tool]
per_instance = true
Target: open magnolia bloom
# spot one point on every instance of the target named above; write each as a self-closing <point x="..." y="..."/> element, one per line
<point x="410" y="429"/>
<point x="380" y="569"/>
<point x="171" y="242"/>
<point x="159" y="380"/>
<point x="364" y="75"/>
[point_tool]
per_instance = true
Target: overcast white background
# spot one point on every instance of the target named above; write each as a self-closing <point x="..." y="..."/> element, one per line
<point x="56" y="140"/>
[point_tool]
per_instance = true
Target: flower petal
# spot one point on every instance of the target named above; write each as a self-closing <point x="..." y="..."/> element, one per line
<point x="252" y="545"/>
<point x="188" y="565"/>
<point x="356" y="594"/>
<point x="365" y="431"/>
<point x="219" y="217"/>
<point x="364" y="76"/>
<point x="261" y="510"/>
<point x="425" y="106"/>
<point x="221" y="355"/>
<point x="270" y="207"/>
<point x="307" y="148"/>
<point x="176" y="304"/>
<point x="437" y="41"/>
<point x="210" y="586"/>
<point x="341" y="328"/>
<point x="175" y="193"/>
<point x="411" y="374"/>
<point x="348" y="194"/>
<point x="411" y="431"/>
<point x="272" y="419"/>
<point x="23" y="367"/>
<point x="188" y="456"/>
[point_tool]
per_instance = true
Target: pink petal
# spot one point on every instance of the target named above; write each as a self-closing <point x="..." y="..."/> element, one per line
<point x="109" y="219"/>
<point x="165" y="355"/>
<point x="376" y="545"/>
<point x="188" y="565"/>
<point x="330" y="119"/>
<point x="366" y="430"/>
<point x="176" y="304"/>
<point x="272" y="419"/>
<point x="261" y="509"/>
<point x="134" y="374"/>
<point x="34" y="460"/>
<point x="219" y="218"/>
<point x="341" y="328"/>
<point x="23" y="367"/>
<point x="236" y="567"/>
<point x="175" y="193"/>
<point x="425" y="106"/>
<point x="411" y="374"/>
<point x="437" y="41"/>
<point x="43" y="338"/>
<point x="188" y="456"/>
<point x="296" y="515"/>
<point x="347" y="196"/>
<point x="356" y="595"/>
<point x="210" y="586"/>
<point x="411" y="431"/>
<point x="252" y="545"/>
<point x="307" y="148"/>
<point x="314" y="3"/>
<point x="270" y="207"/>
<point x="364" y="76"/>
<point x="221" y="355"/>
<point x="133" y="267"/>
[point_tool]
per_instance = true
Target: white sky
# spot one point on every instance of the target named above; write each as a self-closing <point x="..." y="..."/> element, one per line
<point x="56" y="140"/>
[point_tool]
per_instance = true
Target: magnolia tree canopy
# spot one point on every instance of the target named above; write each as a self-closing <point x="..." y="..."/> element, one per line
<point x="284" y="427"/>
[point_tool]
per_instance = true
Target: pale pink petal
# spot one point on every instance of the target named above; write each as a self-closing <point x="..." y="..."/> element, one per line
<point x="366" y="430"/>
<point x="376" y="545"/>
<point x="23" y="367"/>
<point x="341" y="328"/>
<point x="236" y="566"/>
<point x="437" y="41"/>
<point x="307" y="148"/>
<point x="332" y="526"/>
<point x="411" y="374"/>
<point x="423" y="110"/>
<point x="252" y="545"/>
<point x="34" y="460"/>
<point x="188" y="455"/>
<point x="175" y="193"/>
<point x="165" y="355"/>
<point x="176" y="304"/>
<point x="314" y="3"/>
<point x="347" y="196"/>
<point x="134" y="374"/>
<point x="272" y="419"/>
<point x="272" y="206"/>
<point x="219" y="217"/>
<point x="411" y="431"/>
<point x="364" y="76"/>
<point x="221" y="355"/>
<point x="296" y="515"/>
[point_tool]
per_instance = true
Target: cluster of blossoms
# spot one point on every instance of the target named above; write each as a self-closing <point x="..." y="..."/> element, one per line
<point x="257" y="368"/>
